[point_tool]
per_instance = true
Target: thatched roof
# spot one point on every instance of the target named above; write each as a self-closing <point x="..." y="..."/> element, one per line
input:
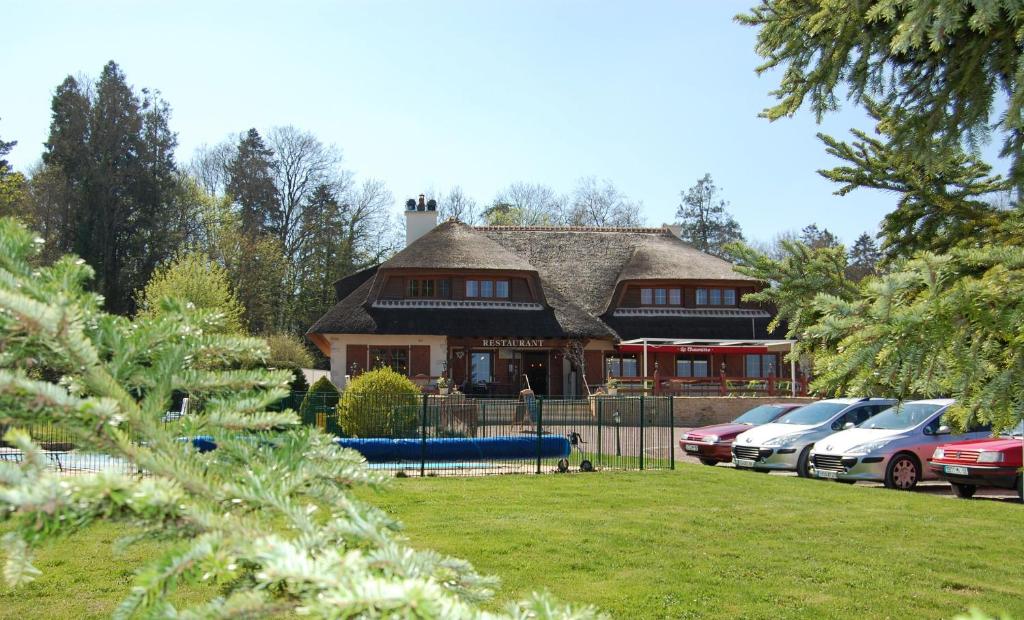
<point x="579" y="270"/>
<point x="453" y="244"/>
<point x="561" y="319"/>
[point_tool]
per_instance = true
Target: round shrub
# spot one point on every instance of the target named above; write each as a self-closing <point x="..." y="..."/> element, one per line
<point x="321" y="399"/>
<point x="380" y="403"/>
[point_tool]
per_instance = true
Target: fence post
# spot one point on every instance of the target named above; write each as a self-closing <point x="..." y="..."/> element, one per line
<point x="641" y="431"/>
<point x="600" y="432"/>
<point x="423" y="438"/>
<point x="671" y="432"/>
<point x="540" y="418"/>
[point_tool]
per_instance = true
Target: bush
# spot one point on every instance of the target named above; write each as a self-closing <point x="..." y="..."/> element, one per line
<point x="199" y="280"/>
<point x="287" y="351"/>
<point x="299" y="383"/>
<point x="380" y="403"/>
<point x="322" y="398"/>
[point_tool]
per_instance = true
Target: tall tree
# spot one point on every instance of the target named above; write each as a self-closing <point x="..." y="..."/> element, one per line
<point x="600" y="203"/>
<point x="112" y="150"/>
<point x="946" y="65"/>
<point x="301" y="164"/>
<point x="251" y="174"/>
<point x="13" y="185"/>
<point x="704" y="220"/>
<point x="816" y="237"/>
<point x="864" y="258"/>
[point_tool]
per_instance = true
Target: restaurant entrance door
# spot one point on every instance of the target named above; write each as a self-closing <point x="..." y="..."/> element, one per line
<point x="535" y="367"/>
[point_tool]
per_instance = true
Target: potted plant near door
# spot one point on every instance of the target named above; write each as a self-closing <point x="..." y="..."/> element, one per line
<point x="612" y="386"/>
<point x="443" y="385"/>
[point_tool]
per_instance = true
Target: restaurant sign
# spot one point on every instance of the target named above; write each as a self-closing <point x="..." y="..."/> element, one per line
<point x="512" y="343"/>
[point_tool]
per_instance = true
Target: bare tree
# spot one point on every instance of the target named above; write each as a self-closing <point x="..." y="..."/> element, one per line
<point x="456" y="204"/>
<point x="209" y="165"/>
<point x="303" y="163"/>
<point x="600" y="203"/>
<point x="526" y="204"/>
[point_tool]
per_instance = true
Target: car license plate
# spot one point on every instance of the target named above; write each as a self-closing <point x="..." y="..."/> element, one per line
<point x="826" y="473"/>
<point x="743" y="462"/>
<point x="955" y="470"/>
<point x="691" y="448"/>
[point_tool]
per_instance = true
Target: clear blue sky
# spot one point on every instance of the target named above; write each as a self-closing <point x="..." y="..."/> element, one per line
<point x="477" y="93"/>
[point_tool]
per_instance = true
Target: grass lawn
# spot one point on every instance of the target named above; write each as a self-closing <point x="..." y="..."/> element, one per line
<point x="715" y="542"/>
<point x="696" y="542"/>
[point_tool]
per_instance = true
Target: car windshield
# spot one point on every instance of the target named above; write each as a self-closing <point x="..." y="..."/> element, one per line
<point x="812" y="414"/>
<point x="762" y="414"/>
<point x="903" y="416"/>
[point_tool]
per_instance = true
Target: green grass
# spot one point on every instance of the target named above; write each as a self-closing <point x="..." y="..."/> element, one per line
<point x="717" y="543"/>
<point x="84" y="576"/>
<point x="695" y="542"/>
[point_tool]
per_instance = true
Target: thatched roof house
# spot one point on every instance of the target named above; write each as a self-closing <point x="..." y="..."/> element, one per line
<point x="497" y="305"/>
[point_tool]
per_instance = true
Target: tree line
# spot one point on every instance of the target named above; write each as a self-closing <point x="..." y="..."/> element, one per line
<point x="269" y="220"/>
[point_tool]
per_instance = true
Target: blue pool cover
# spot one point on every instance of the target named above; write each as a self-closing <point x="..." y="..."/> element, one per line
<point x="510" y="447"/>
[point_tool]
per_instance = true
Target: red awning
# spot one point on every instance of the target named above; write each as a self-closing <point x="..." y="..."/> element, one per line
<point x="690" y="348"/>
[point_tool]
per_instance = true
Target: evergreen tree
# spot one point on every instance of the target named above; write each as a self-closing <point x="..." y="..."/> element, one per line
<point x="269" y="518"/>
<point x="251" y="185"/>
<point x="111" y="152"/>
<point x="705" y="223"/>
<point x="13" y="185"/>
<point x="945" y="199"/>
<point x="818" y="237"/>
<point x="5" y="148"/>
<point x="947" y="66"/>
<point x="864" y="258"/>
<point x="324" y="253"/>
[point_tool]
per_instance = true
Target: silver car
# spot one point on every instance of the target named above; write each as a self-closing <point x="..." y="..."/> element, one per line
<point x="785" y="445"/>
<point x="892" y="447"/>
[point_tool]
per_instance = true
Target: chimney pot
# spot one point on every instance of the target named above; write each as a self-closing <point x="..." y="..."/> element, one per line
<point x="422" y="206"/>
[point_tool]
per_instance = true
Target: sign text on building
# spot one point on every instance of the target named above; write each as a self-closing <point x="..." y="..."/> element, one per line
<point x="495" y="342"/>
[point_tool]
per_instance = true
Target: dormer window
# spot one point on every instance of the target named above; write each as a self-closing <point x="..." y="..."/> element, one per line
<point x="716" y="297"/>
<point x="428" y="288"/>
<point x="487" y="289"/>
<point x="660" y="296"/>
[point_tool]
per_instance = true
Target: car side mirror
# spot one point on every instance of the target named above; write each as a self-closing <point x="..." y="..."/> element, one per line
<point x="848" y="425"/>
<point x="943" y="430"/>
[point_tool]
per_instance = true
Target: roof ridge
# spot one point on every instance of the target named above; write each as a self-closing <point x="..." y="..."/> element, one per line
<point x="598" y="229"/>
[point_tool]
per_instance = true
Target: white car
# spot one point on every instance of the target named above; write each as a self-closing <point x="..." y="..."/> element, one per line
<point x="892" y="447"/>
<point x="785" y="444"/>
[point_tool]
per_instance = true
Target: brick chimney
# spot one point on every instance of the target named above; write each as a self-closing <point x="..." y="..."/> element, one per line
<point x="420" y="218"/>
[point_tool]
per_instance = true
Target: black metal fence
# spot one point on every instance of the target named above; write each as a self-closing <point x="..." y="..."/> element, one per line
<point x="432" y="435"/>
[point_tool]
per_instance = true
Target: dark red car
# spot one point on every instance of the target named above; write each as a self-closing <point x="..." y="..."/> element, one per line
<point x="713" y="444"/>
<point x="994" y="462"/>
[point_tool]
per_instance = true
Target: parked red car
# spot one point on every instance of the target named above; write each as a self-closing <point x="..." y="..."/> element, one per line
<point x="994" y="462"/>
<point x="713" y="444"/>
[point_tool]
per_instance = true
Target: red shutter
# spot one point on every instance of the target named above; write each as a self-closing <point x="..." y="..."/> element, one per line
<point x="355" y="356"/>
<point x="419" y="360"/>
<point x="666" y="364"/>
<point x="595" y="367"/>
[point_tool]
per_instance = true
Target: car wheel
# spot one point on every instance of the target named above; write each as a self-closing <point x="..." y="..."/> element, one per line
<point x="711" y="462"/>
<point x="963" y="491"/>
<point x="803" y="463"/>
<point x="902" y="473"/>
